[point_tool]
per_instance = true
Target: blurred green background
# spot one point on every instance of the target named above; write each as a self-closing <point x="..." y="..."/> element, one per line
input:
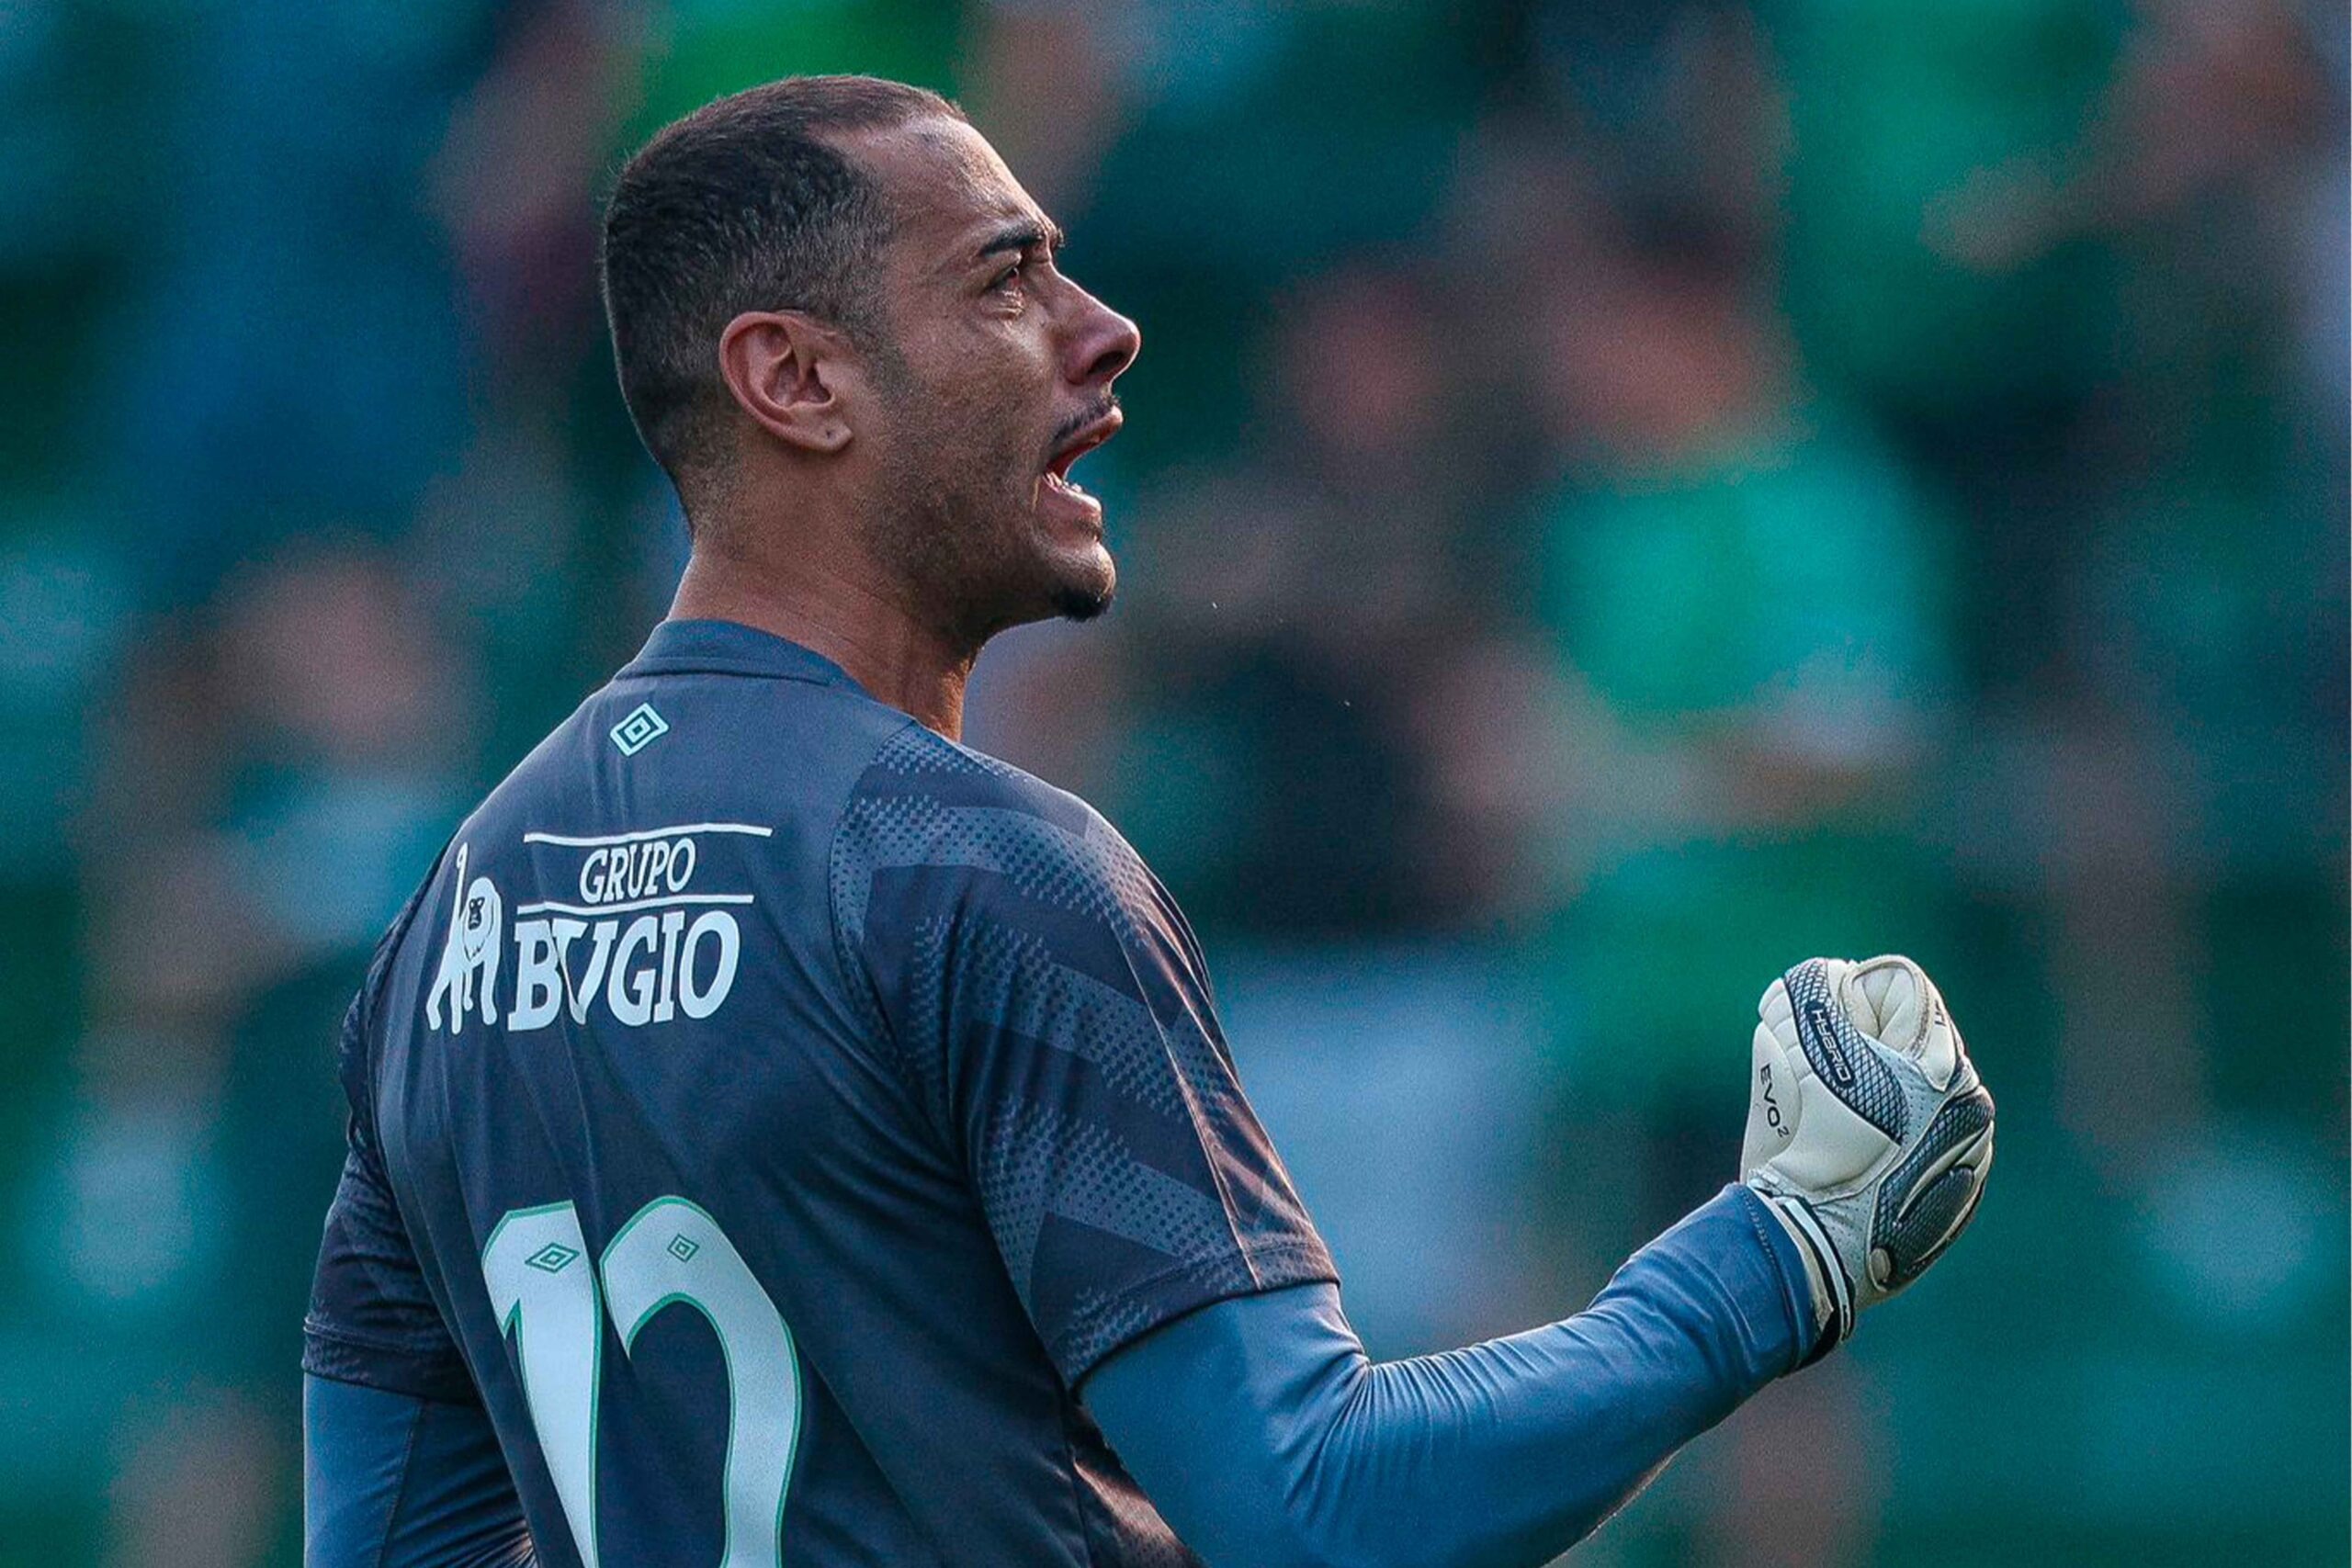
<point x="1619" y="495"/>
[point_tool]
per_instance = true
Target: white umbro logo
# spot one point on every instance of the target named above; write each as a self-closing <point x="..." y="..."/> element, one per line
<point x="641" y="728"/>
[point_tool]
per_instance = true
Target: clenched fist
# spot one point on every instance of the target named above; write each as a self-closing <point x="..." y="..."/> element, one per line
<point x="1869" y="1133"/>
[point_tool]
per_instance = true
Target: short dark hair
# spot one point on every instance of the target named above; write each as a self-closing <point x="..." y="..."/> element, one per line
<point x="742" y="205"/>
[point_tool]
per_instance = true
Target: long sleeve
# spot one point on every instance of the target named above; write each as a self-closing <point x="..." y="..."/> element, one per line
<point x="392" y="1480"/>
<point x="1267" y="1438"/>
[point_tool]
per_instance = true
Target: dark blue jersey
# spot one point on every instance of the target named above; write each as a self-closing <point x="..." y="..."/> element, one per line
<point x="769" y="1111"/>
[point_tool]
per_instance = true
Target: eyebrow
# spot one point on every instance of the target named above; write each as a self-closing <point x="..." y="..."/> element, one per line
<point x="1022" y="234"/>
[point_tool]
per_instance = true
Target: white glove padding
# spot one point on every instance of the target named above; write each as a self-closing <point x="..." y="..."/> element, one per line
<point x="1867" y="1129"/>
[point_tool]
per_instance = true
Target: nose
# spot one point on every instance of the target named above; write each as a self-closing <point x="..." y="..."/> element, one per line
<point x="1104" y="345"/>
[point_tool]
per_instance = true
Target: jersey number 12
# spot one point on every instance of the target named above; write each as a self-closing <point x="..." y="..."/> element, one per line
<point x="671" y="1252"/>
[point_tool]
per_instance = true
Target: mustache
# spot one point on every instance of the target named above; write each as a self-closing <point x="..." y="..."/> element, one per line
<point x="1081" y="420"/>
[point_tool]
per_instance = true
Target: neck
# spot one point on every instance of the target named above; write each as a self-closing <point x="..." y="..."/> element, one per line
<point x="848" y="615"/>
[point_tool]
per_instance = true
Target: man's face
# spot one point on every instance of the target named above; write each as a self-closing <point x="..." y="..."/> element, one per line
<point x="994" y="376"/>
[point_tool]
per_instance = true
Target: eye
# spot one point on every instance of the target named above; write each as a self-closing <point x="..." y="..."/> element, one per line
<point x="1010" y="278"/>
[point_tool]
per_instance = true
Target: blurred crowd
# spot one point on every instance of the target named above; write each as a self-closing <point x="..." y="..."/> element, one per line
<point x="1618" y="496"/>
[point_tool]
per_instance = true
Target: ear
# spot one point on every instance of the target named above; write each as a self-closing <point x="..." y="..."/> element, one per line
<point x="780" y="366"/>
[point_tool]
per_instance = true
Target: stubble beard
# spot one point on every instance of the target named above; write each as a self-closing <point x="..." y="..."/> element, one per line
<point x="956" y="522"/>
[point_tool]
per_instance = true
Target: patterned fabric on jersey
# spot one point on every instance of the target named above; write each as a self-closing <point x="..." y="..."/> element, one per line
<point x="913" y="1037"/>
<point x="1050" y="1009"/>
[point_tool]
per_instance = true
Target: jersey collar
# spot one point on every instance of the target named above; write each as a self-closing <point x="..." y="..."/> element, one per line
<point x="728" y="647"/>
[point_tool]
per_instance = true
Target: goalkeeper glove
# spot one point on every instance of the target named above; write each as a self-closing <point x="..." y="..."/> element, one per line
<point x="1869" y="1133"/>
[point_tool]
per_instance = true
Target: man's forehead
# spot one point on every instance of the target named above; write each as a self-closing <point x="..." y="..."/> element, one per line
<point x="941" y="178"/>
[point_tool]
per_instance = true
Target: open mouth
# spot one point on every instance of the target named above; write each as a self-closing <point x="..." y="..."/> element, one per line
<point x="1085" y="439"/>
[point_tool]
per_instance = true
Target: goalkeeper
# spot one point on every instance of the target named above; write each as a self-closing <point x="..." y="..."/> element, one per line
<point x="769" y="1102"/>
<point x="1266" y="1437"/>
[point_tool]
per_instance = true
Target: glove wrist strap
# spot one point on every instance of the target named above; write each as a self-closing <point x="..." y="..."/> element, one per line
<point x="1833" y="1294"/>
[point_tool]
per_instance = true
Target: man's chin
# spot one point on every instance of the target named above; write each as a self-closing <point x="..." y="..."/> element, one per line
<point x="1083" y="588"/>
<point x="1069" y="581"/>
<point x="1083" y="604"/>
